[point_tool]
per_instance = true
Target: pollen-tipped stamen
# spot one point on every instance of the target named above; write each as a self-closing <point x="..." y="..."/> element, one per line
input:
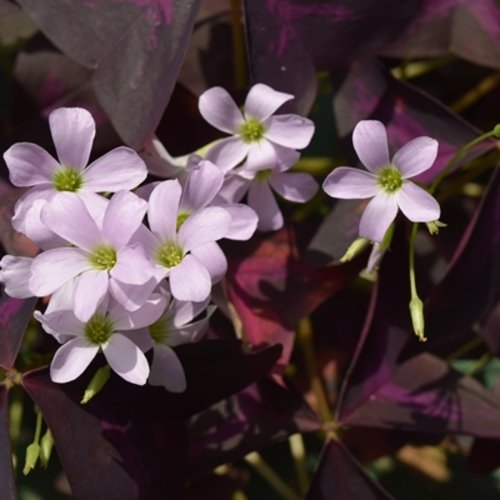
<point x="103" y="257"/>
<point x="98" y="329"/>
<point x="67" y="179"/>
<point x="390" y="179"/>
<point x="252" y="130"/>
<point x="169" y="254"/>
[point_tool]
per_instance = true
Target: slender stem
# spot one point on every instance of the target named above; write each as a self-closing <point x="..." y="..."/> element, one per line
<point x="408" y="70"/>
<point x="484" y="87"/>
<point x="275" y="481"/>
<point x="472" y="344"/>
<point x="239" y="53"/>
<point x="480" y="364"/>
<point x="416" y="305"/>
<point x="298" y="452"/>
<point x="457" y="156"/>
<point x="413" y="281"/>
<point x="305" y="339"/>
<point x="38" y="428"/>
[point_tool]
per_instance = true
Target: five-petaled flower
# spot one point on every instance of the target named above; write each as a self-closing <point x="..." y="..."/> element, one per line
<point x="387" y="181"/>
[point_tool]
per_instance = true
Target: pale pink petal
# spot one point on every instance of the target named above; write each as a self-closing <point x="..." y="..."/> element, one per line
<point x="285" y="157"/>
<point x="131" y="297"/>
<point x="181" y="312"/>
<point x="15" y="274"/>
<point x="52" y="269"/>
<point x="203" y="183"/>
<point x="219" y="109"/>
<point x="378" y="216"/>
<point x="141" y="338"/>
<point x="227" y="153"/>
<point x="126" y="359"/>
<point x="299" y="187"/>
<point x="262" y="101"/>
<point x="163" y="209"/>
<point x="67" y="215"/>
<point x="62" y="298"/>
<point x="291" y="131"/>
<point x="369" y="138"/>
<point x="243" y="221"/>
<point x="121" y="168"/>
<point x="233" y="190"/>
<point x="213" y="259"/>
<point x="142" y="317"/>
<point x="261" y="156"/>
<point x="29" y="164"/>
<point x="61" y="324"/>
<point x="159" y="162"/>
<point x="132" y="266"/>
<point x="375" y="258"/>
<point x="350" y="184"/>
<point x="166" y="370"/>
<point x="189" y="280"/>
<point x="91" y="288"/>
<point x="261" y="199"/>
<point x="209" y="224"/>
<point x="417" y="204"/>
<point x="416" y="156"/>
<point x="188" y="334"/>
<point x="71" y="360"/>
<point x="123" y="217"/>
<point x="73" y="131"/>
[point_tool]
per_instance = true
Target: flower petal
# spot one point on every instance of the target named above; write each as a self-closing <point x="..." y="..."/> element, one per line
<point x="369" y="138"/>
<point x="261" y="199"/>
<point x="61" y="324"/>
<point x="15" y="274"/>
<point x="126" y="359"/>
<point x="167" y="370"/>
<point x="285" y="157"/>
<point x="190" y="333"/>
<point x="205" y="226"/>
<point x="163" y="209"/>
<point x="350" y="183"/>
<point x="262" y="101"/>
<point x="234" y="188"/>
<point x="378" y="216"/>
<point x="71" y="360"/>
<point x="219" y="109"/>
<point x="181" y="312"/>
<point x="123" y="217"/>
<point x="29" y="164"/>
<point x="416" y="156"/>
<point x="291" y="131"/>
<point x="213" y="259"/>
<point x="190" y="280"/>
<point x="131" y="297"/>
<point x="73" y="131"/>
<point x="261" y="156"/>
<point x="52" y="269"/>
<point x="68" y="217"/>
<point x="121" y="168"/>
<point x="299" y="187"/>
<point x="417" y="204"/>
<point x="91" y="288"/>
<point x="142" y="317"/>
<point x="244" y="221"/>
<point x="227" y="153"/>
<point x="203" y="183"/>
<point x="132" y="266"/>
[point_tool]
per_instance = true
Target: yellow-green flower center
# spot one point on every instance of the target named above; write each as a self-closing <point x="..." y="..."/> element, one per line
<point x="67" y="179"/>
<point x="181" y="218"/>
<point x="169" y="254"/>
<point x="159" y="331"/>
<point x="389" y="178"/>
<point x="252" y="130"/>
<point x="103" y="257"/>
<point x="263" y="175"/>
<point x="98" y="329"/>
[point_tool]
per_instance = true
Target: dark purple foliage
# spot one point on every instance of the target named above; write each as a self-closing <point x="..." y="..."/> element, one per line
<point x="7" y="484"/>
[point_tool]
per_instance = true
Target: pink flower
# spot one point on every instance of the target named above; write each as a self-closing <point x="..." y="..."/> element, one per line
<point x="73" y="131"/>
<point x="257" y="135"/>
<point x="102" y="332"/>
<point x="103" y="260"/>
<point x="387" y="181"/>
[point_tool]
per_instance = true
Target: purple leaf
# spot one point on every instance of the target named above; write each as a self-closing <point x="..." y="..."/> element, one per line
<point x="272" y="287"/>
<point x="444" y="26"/>
<point x="7" y="483"/>
<point x="14" y="317"/>
<point x="370" y="92"/>
<point x="260" y="415"/>
<point x="136" y="48"/>
<point x="468" y="295"/>
<point x="340" y="476"/>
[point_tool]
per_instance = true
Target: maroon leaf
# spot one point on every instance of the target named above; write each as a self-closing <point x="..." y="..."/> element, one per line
<point x="136" y="48"/>
<point x="14" y="317"/>
<point x="444" y="26"/>
<point x="426" y="394"/>
<point x="369" y="91"/>
<point x="7" y="483"/>
<point x="260" y="415"/>
<point x="340" y="476"/>
<point x="470" y="291"/>
<point x="272" y="287"/>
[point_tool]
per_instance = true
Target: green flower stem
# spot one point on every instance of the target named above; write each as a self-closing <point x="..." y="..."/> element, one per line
<point x="416" y="304"/>
<point x="454" y="160"/>
<point x="298" y="451"/>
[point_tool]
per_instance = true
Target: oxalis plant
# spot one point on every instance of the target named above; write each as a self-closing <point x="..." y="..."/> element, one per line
<point x="251" y="249"/>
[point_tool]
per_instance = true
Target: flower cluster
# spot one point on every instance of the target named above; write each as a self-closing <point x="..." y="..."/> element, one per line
<point x="129" y="267"/>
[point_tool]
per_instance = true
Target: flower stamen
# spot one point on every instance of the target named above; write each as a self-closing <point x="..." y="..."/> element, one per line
<point x="103" y="257"/>
<point x="390" y="179"/>
<point x="169" y="254"/>
<point x="98" y="329"/>
<point x="252" y="130"/>
<point x="67" y="179"/>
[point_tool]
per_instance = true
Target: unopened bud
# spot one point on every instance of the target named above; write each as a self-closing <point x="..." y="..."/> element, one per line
<point x="355" y="248"/>
<point x="496" y="131"/>
<point x="46" y="445"/>
<point x="417" y="318"/>
<point x="32" y="454"/>
<point x="434" y="226"/>
<point x="96" y="384"/>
